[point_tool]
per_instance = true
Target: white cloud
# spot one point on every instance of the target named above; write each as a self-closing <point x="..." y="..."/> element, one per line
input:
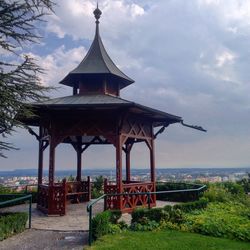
<point x="76" y="18"/>
<point x="190" y="58"/>
<point x="224" y="57"/>
<point x="59" y="63"/>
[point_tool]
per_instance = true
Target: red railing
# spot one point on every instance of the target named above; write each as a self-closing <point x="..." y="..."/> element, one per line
<point x="79" y="190"/>
<point x="43" y="198"/>
<point x="52" y="199"/>
<point x="129" y="201"/>
<point x="111" y="202"/>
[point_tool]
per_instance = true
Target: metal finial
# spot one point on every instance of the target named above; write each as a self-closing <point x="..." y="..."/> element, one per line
<point x="97" y="12"/>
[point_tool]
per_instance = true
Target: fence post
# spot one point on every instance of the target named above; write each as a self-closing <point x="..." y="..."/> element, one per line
<point x="30" y="207"/>
<point x="90" y="225"/>
<point x="148" y="196"/>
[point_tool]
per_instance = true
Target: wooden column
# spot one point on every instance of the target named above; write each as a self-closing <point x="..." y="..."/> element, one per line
<point x="152" y="161"/>
<point x="119" y="163"/>
<point x="40" y="159"/>
<point x="51" y="161"/>
<point x="128" y="172"/>
<point x="79" y="164"/>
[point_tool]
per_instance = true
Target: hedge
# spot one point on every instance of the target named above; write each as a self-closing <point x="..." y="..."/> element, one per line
<point x="12" y="223"/>
<point x="104" y="223"/>
<point x="190" y="206"/>
<point x="180" y="196"/>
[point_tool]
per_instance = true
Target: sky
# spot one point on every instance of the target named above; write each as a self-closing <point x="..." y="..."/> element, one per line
<point x="188" y="58"/>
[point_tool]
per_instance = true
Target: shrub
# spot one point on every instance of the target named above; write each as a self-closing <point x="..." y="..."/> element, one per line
<point x="123" y="225"/>
<point x="12" y="223"/>
<point x="157" y="214"/>
<point x="228" y="220"/>
<point x="105" y="223"/>
<point x="141" y="215"/>
<point x="138" y="214"/>
<point x="217" y="193"/>
<point x="101" y="224"/>
<point x="233" y="188"/>
<point x="168" y="208"/>
<point x="177" y="216"/>
<point x="115" y="216"/>
<point x="95" y="193"/>
<point x="190" y="206"/>
<point x="147" y="225"/>
<point x="181" y="196"/>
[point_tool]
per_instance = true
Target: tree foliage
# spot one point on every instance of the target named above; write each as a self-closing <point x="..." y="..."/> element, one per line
<point x="19" y="73"/>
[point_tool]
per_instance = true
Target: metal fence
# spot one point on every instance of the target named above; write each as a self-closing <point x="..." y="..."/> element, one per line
<point x="12" y="199"/>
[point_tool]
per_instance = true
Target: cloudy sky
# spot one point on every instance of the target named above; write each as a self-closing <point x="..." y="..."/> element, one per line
<point x="189" y="58"/>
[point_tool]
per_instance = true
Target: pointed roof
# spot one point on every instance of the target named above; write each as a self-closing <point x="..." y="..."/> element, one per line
<point x="97" y="63"/>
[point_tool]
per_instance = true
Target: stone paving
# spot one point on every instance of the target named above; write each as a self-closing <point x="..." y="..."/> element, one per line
<point x="76" y="218"/>
<point x="57" y="232"/>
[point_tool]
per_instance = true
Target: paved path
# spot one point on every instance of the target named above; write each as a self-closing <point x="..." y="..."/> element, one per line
<point x="76" y="218"/>
<point x="32" y="239"/>
<point x="57" y="232"/>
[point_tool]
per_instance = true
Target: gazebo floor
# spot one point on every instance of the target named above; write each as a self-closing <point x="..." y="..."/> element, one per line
<point x="76" y="218"/>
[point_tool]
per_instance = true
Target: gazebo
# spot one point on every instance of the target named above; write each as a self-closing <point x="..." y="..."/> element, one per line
<point x="96" y="114"/>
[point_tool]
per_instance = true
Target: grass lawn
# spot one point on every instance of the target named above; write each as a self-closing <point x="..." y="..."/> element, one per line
<point x="167" y="240"/>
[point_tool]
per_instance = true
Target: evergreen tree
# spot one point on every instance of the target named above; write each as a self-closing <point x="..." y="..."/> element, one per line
<point x="19" y="73"/>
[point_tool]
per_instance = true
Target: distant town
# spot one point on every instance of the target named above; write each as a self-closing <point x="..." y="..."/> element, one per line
<point x="21" y="178"/>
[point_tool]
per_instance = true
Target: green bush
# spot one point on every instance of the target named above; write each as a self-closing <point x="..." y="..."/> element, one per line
<point x="12" y="223"/>
<point x="233" y="188"/>
<point x="115" y="216"/>
<point x="95" y="193"/>
<point x="141" y="215"/>
<point x="177" y="216"/>
<point x="138" y="214"/>
<point x="147" y="225"/>
<point x="180" y="196"/>
<point x="101" y="224"/>
<point x="245" y="183"/>
<point x="123" y="225"/>
<point x="191" y="206"/>
<point x="157" y="214"/>
<point x="217" y="194"/>
<point x="228" y="220"/>
<point x="97" y="187"/>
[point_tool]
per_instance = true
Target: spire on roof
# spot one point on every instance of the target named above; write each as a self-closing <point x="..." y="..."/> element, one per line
<point x="97" y="64"/>
<point x="97" y="12"/>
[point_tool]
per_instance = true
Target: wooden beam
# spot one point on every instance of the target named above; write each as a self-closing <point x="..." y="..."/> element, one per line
<point x="32" y="132"/>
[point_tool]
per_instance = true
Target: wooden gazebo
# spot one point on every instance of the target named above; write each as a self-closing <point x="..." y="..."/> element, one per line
<point x="96" y="114"/>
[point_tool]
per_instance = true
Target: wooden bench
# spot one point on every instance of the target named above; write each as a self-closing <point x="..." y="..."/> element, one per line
<point x="72" y="191"/>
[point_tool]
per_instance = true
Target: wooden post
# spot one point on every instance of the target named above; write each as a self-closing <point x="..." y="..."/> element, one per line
<point x="51" y="161"/>
<point x="152" y="168"/>
<point x="119" y="169"/>
<point x="128" y="166"/>
<point x="40" y="159"/>
<point x="79" y="164"/>
<point x="128" y="173"/>
<point x="152" y="161"/>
